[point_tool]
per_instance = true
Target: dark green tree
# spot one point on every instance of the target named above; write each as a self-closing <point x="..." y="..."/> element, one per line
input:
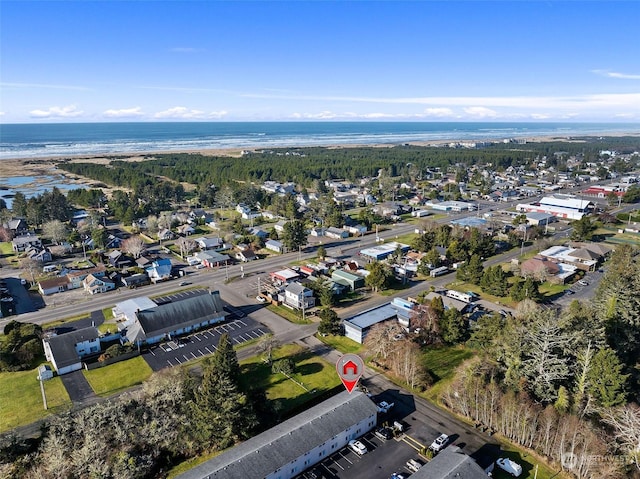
<point x="453" y="326"/>
<point x="378" y="277"/>
<point x="471" y="271"/>
<point x="19" y="205"/>
<point x="220" y="413"/>
<point x="583" y="229"/>
<point x="330" y="322"/>
<point x="225" y="359"/>
<point x="494" y="281"/>
<point x="606" y="383"/>
<point x="294" y="235"/>
<point x="321" y="252"/>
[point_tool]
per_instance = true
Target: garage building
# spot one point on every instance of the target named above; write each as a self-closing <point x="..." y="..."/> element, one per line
<point x="358" y="326"/>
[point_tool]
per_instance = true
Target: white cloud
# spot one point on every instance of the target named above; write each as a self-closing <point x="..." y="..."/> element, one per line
<point x="540" y="116"/>
<point x="184" y="113"/>
<point x="480" y="112"/>
<point x="623" y="76"/>
<point x="70" y="111"/>
<point x="180" y="112"/>
<point x="439" y="112"/>
<point x="217" y="114"/>
<point x="124" y="113"/>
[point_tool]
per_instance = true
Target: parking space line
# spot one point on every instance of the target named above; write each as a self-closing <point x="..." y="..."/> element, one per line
<point x="236" y="340"/>
<point x="208" y="350"/>
<point x="194" y="356"/>
<point x="261" y="331"/>
<point x="241" y="322"/>
<point x="337" y="464"/>
<point x="196" y="336"/>
<point x="345" y="457"/>
<point x="253" y="332"/>
<point x="170" y="365"/>
<point x="185" y="358"/>
<point x="152" y="353"/>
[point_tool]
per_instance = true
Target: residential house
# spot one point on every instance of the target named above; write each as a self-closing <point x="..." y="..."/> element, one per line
<point x="297" y="444"/>
<point x="274" y="245"/>
<point x="168" y="320"/>
<point x="95" y="285"/>
<point x="336" y="233"/>
<point x="77" y="277"/>
<point x="119" y="260"/>
<point x="40" y="254"/>
<point x="214" y="243"/>
<point x="258" y="232"/>
<point x="54" y="285"/>
<point x="297" y="296"/>
<point x="356" y="230"/>
<point x="185" y="229"/>
<point x="22" y="243"/>
<point x="166" y="234"/>
<point x="246" y="255"/>
<point x="18" y="226"/>
<point x="66" y="351"/>
<point x="136" y="280"/>
<point x="160" y="270"/>
<point x="279" y="226"/>
<point x="211" y="259"/>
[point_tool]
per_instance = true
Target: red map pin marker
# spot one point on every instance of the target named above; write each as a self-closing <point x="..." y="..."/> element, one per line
<point x="350" y="367"/>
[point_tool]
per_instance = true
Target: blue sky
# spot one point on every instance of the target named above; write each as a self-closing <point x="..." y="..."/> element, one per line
<point x="262" y="61"/>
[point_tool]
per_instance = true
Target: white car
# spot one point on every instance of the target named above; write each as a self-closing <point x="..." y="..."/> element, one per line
<point x="439" y="443"/>
<point x="384" y="407"/>
<point x="413" y="465"/>
<point x="509" y="466"/>
<point x="260" y="299"/>
<point x="583" y="282"/>
<point x="357" y="447"/>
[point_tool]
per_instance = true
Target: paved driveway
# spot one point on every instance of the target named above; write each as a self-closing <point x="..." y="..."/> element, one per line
<point x="77" y="387"/>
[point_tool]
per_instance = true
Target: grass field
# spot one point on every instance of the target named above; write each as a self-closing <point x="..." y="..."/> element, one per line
<point x="341" y="343"/>
<point x="21" y="399"/>
<point x="6" y="248"/>
<point x="289" y="315"/>
<point x="315" y="375"/>
<point x="119" y="376"/>
<point x="441" y="362"/>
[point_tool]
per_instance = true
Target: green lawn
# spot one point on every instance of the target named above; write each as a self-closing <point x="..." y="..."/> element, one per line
<point x="21" y="399"/>
<point x="316" y="375"/>
<point x="119" y="376"/>
<point x="341" y="343"/>
<point x="441" y="362"/>
<point x="288" y="314"/>
<point x="6" y="248"/>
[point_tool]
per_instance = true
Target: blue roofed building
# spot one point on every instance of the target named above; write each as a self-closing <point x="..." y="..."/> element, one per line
<point x="160" y="270"/>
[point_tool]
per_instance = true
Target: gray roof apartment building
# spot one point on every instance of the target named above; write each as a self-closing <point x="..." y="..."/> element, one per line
<point x="295" y="445"/>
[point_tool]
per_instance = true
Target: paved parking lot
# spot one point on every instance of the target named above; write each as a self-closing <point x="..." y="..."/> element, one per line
<point x="202" y="343"/>
<point x="384" y="457"/>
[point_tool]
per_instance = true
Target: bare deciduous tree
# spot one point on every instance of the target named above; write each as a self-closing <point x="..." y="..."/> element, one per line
<point x="134" y="246"/>
<point x="382" y="338"/>
<point x="56" y="230"/>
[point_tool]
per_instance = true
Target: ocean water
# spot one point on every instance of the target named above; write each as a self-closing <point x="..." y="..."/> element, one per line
<point x="66" y="139"/>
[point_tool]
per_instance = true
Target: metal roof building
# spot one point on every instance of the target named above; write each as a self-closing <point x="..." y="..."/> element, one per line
<point x="284" y="451"/>
<point x="358" y="326"/>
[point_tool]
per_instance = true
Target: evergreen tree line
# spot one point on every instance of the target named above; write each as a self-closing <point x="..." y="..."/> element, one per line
<point x="304" y="165"/>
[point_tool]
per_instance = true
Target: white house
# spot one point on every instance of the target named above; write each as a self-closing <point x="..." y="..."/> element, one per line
<point x="66" y="351"/>
<point x="298" y="297"/>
